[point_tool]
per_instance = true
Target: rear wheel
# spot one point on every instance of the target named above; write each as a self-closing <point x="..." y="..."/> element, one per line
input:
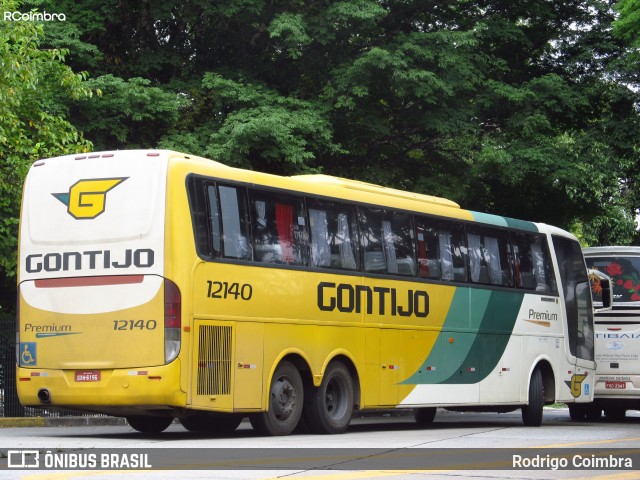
<point x="615" y="414"/>
<point x="286" y="397"/>
<point x="329" y="408"/>
<point x="149" y="424"/>
<point x="532" y="413"/>
<point x="217" y="423"/>
<point x="594" y="413"/>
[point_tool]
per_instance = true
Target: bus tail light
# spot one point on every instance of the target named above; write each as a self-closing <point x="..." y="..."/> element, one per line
<point x="172" y="320"/>
<point x="18" y="328"/>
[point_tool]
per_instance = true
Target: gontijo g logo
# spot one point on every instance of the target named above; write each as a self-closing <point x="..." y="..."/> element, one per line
<point x="87" y="199"/>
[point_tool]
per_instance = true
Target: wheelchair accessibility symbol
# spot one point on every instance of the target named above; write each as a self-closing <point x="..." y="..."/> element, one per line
<point x="28" y="354"/>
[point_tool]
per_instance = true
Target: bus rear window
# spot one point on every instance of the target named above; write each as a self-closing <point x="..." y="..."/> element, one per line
<point x="625" y="279"/>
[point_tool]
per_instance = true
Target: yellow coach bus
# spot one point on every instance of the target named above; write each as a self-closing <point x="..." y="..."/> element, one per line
<point x="155" y="285"/>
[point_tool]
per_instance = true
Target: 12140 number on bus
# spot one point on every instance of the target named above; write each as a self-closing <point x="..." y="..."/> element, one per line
<point x="224" y="290"/>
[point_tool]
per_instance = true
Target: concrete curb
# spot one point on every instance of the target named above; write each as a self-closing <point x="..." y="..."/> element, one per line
<point x="12" y="422"/>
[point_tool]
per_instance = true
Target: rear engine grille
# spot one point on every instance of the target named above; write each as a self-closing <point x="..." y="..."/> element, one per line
<point x="214" y="360"/>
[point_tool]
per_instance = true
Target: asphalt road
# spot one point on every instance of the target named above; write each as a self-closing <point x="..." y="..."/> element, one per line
<point x="456" y="446"/>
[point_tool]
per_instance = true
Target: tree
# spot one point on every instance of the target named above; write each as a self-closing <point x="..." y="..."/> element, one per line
<point x="520" y="108"/>
<point x="35" y="88"/>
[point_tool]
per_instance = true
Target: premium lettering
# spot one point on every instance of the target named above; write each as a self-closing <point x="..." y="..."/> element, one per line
<point x="347" y="298"/>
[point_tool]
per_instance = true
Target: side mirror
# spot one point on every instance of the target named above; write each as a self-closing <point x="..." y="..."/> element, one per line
<point x="600" y="291"/>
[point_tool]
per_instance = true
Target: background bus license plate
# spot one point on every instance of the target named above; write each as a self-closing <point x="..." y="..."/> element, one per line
<point x="615" y="385"/>
<point x="89" y="376"/>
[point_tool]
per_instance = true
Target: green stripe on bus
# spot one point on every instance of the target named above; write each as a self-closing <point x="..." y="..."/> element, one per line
<point x="521" y="225"/>
<point x="487" y="348"/>
<point x="490" y="219"/>
<point x="504" y="222"/>
<point x="462" y="355"/>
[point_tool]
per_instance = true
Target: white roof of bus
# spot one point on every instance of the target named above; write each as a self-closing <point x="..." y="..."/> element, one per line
<point x="610" y="251"/>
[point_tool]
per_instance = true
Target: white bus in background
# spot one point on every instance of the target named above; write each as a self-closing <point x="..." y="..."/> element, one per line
<point x="617" y="333"/>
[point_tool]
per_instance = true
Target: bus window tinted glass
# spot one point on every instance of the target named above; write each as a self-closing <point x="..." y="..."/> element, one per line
<point x="441" y="250"/>
<point x="533" y="270"/>
<point x="235" y="238"/>
<point x="214" y="218"/>
<point x="387" y="242"/>
<point x="334" y="241"/>
<point x="575" y="286"/>
<point x="489" y="256"/>
<point x="279" y="228"/>
<point x="204" y="215"/>
<point x="625" y="279"/>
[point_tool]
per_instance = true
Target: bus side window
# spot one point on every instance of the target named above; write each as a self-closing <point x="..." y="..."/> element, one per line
<point x="204" y="216"/>
<point x="235" y="231"/>
<point x="334" y="241"/>
<point x="387" y="242"/>
<point x="533" y="269"/>
<point x="279" y="228"/>
<point x="441" y="250"/>
<point x="398" y="241"/>
<point x="214" y="218"/>
<point x="489" y="256"/>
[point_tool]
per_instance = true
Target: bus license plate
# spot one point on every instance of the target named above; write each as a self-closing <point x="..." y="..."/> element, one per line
<point x="615" y="385"/>
<point x="88" y="376"/>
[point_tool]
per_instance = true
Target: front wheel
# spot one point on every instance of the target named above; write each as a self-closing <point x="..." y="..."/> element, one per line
<point x="286" y="397"/>
<point x="532" y="413"/>
<point x="329" y="407"/>
<point x="578" y="412"/>
<point x="149" y="424"/>
<point x="424" y="416"/>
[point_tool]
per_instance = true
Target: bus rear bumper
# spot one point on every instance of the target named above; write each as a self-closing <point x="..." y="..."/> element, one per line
<point x="101" y="390"/>
<point x="617" y="386"/>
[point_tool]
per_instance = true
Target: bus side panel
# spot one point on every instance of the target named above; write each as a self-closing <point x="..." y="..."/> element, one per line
<point x="227" y="366"/>
<point x="248" y="382"/>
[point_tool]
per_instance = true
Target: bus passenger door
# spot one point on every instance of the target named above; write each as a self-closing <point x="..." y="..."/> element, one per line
<point x="579" y="339"/>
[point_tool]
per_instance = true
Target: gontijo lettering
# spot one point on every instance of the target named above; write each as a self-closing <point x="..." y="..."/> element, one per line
<point x="348" y="298"/>
<point x="89" y="260"/>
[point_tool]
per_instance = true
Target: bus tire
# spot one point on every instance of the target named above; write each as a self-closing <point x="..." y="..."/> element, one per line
<point x="532" y="412"/>
<point x="593" y="413"/>
<point x="216" y="423"/>
<point x="615" y="414"/>
<point x="149" y="424"/>
<point x="329" y="408"/>
<point x="286" y="398"/>
<point x="424" y="416"/>
<point x="577" y="412"/>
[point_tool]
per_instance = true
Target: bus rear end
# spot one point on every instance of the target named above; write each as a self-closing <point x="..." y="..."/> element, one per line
<point x="617" y="335"/>
<point x="98" y="325"/>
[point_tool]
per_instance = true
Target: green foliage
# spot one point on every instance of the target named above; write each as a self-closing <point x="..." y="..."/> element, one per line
<point x="522" y="108"/>
<point x="34" y="86"/>
<point x="127" y="113"/>
<point x="627" y="27"/>
<point x="265" y="130"/>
